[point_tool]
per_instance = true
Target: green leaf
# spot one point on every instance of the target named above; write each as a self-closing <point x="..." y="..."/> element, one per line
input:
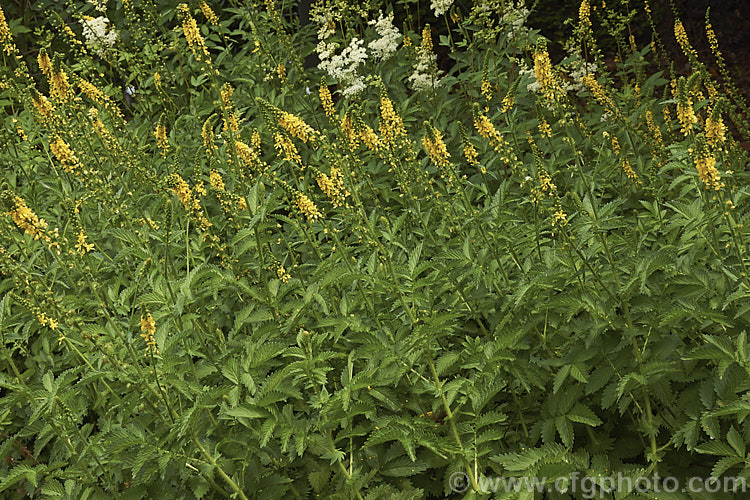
<point x="736" y="441"/>
<point x="582" y="414"/>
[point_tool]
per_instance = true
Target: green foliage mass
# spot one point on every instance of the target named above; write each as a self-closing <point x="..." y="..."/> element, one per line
<point x="217" y="284"/>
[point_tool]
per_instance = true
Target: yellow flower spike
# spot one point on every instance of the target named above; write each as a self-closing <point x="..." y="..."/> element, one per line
<point x="181" y="188"/>
<point x="685" y="111"/>
<point x="284" y="145"/>
<point x="370" y="138"/>
<point x="347" y="127"/>
<point x="160" y="132"/>
<point x="427" y="39"/>
<point x="296" y="126"/>
<point x="487" y="130"/>
<point x="486" y="88"/>
<point x="306" y="206"/>
<point x="653" y="128"/>
<point x="82" y="246"/>
<point x="628" y="169"/>
<point x="230" y="119"/>
<point x="208" y="13"/>
<point x="6" y="39"/>
<point x="470" y="152"/>
<point x="326" y="100"/>
<point x="584" y="14"/>
<point x="148" y="327"/>
<point x="391" y="125"/>
<point x="192" y="33"/>
<point x="543" y="73"/>
<point x="58" y="81"/>
<point x="714" y="127"/>
<point x="435" y="146"/>
<point x="215" y="179"/>
<point x="64" y="154"/>
<point x="598" y="91"/>
<point x="207" y="133"/>
<point x="559" y="217"/>
<point x="332" y="186"/>
<point x="45" y="64"/>
<point x="27" y="220"/>
<point x="91" y="91"/>
<point x="682" y="39"/>
<point x="544" y="128"/>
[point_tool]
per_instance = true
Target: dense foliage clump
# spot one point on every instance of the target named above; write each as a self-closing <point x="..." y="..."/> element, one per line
<point x="399" y="252"/>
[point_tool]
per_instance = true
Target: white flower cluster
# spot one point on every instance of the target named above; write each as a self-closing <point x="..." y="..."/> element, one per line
<point x="515" y="19"/>
<point x="325" y="20"/>
<point x="98" y="37"/>
<point x="440" y="6"/>
<point x="579" y="69"/>
<point x="343" y="66"/>
<point x="385" y="46"/>
<point x="426" y="74"/>
<point x="100" y="5"/>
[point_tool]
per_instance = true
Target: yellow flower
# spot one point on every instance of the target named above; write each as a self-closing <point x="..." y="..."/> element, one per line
<point x="91" y="91"/>
<point x="333" y="186"/>
<point x="681" y="35"/>
<point x="207" y="133"/>
<point x="59" y="85"/>
<point x="470" y="152"/>
<point x="391" y="125"/>
<point x="208" y="13"/>
<point x="248" y="155"/>
<point x="543" y="73"/>
<point x="546" y="182"/>
<point x="306" y="206"/>
<point x="284" y="145"/>
<point x="45" y="320"/>
<point x="282" y="274"/>
<point x="705" y="164"/>
<point x="296" y="126"/>
<point x="598" y="91"/>
<point x="82" y="246"/>
<point x="327" y="101"/>
<point x="584" y="14"/>
<point x="347" y="126"/>
<point x="370" y="138"/>
<point x="64" y="154"/>
<point x="559" y="216"/>
<point x="25" y="219"/>
<point x="435" y="146"/>
<point x="6" y="39"/>
<point x="486" y="89"/>
<point x="161" y="139"/>
<point x="686" y="114"/>
<point x="714" y="129"/>
<point x="45" y="65"/>
<point x="216" y="181"/>
<point x="427" y="39"/>
<point x="544" y="128"/>
<point x="192" y="33"/>
<point x="181" y="189"/>
<point x="628" y="169"/>
<point x="148" y="327"/>
<point x="487" y="130"/>
<point x="653" y="128"/>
